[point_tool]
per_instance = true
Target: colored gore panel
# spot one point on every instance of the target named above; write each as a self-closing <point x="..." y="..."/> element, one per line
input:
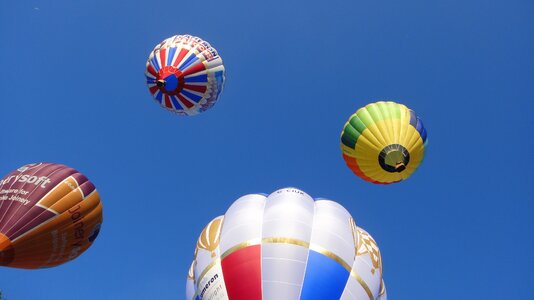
<point x="191" y="59"/>
<point x="357" y="124"/>
<point x="418" y="125"/>
<point x="349" y="136"/>
<point x="197" y="78"/>
<point x="172" y="51"/>
<point x="413" y="118"/>
<point x="242" y="273"/>
<point x="325" y="278"/>
<point x="155" y="63"/>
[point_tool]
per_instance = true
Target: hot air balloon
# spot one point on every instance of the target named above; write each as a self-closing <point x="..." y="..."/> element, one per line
<point x="185" y="74"/>
<point x="383" y="142"/>
<point x="285" y="246"/>
<point x="49" y="214"/>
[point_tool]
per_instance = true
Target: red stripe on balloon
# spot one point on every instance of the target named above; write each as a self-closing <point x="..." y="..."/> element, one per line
<point x="168" y="101"/>
<point x="186" y="102"/>
<point x="181" y="55"/>
<point x="153" y="89"/>
<point x="196" y="88"/>
<point x="162" y="57"/>
<point x="151" y="70"/>
<point x="195" y="69"/>
<point x="242" y="273"/>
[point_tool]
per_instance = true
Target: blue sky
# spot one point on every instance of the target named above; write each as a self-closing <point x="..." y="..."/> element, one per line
<point x="72" y="91"/>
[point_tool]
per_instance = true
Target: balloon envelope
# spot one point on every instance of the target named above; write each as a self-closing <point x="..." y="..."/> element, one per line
<point x="285" y="246"/>
<point x="383" y="142"/>
<point x="49" y="214"/>
<point x="185" y="74"/>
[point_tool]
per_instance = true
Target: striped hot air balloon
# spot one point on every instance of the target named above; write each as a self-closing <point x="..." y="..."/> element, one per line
<point x="185" y="74"/>
<point x="49" y="214"/>
<point x="285" y="246"/>
<point x="383" y="142"/>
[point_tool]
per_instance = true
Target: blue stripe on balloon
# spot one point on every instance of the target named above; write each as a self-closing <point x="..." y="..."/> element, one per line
<point x="219" y="78"/>
<point x="198" y="78"/>
<point x="150" y="80"/>
<point x="159" y="96"/>
<point x="413" y="118"/>
<point x="324" y="279"/>
<point x="191" y="59"/>
<point x="176" y="103"/>
<point x="155" y="63"/>
<point x="170" y="56"/>
<point x="418" y="125"/>
<point x="422" y="132"/>
<point x="191" y="96"/>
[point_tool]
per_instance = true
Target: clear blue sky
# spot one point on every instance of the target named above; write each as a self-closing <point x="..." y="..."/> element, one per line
<point x="72" y="91"/>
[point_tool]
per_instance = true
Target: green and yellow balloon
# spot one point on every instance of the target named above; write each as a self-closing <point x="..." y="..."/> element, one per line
<point x="383" y="142"/>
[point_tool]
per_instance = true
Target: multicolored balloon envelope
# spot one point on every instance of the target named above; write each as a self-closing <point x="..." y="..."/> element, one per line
<point x="49" y="214"/>
<point x="285" y="246"/>
<point x="185" y="74"/>
<point x="383" y="142"/>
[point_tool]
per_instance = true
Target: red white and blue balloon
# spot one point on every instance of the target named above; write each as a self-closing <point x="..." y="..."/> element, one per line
<point x="185" y="75"/>
<point x="285" y="246"/>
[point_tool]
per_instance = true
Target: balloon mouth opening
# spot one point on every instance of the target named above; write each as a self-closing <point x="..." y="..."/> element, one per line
<point x="7" y="253"/>
<point x="170" y="80"/>
<point x="394" y="158"/>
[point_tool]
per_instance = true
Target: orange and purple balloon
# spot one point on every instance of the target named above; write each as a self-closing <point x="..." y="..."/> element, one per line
<point x="49" y="215"/>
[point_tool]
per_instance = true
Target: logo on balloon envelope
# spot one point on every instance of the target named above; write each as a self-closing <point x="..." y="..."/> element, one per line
<point x="210" y="237"/>
<point x="211" y="286"/>
<point x="28" y="166"/>
<point x="41" y="181"/>
<point x="369" y="246"/>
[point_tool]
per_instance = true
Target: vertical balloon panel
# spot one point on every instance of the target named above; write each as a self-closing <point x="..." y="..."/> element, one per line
<point x="243" y="223"/>
<point x="287" y="225"/>
<point x="240" y="244"/>
<point x="332" y="250"/>
<point x="209" y="276"/>
<point x="367" y="268"/>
